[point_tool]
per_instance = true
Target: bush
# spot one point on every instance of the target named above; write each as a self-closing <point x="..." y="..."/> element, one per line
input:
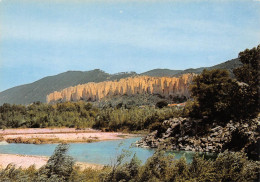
<point x="160" y="167"/>
<point x="59" y="167"/>
<point x="235" y="167"/>
<point x="161" y="104"/>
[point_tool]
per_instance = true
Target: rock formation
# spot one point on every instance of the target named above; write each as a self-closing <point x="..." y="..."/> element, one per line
<point x="183" y="134"/>
<point x="165" y="86"/>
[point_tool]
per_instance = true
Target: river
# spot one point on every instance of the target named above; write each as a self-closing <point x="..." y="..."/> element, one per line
<point x="103" y="152"/>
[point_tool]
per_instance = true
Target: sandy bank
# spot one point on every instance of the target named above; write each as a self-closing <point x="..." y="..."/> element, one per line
<point x="46" y="130"/>
<point x="26" y="161"/>
<point x="57" y="135"/>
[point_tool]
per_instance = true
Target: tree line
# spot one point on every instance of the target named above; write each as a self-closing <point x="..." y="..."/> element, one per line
<point x="81" y="115"/>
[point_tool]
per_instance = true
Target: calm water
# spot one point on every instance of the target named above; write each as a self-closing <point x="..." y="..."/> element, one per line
<point x="103" y="152"/>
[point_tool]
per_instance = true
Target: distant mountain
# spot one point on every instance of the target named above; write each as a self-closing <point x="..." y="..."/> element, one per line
<point x="229" y="65"/>
<point x="37" y="91"/>
<point x="161" y="72"/>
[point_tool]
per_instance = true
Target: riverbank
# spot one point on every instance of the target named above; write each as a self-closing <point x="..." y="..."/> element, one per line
<point x="58" y="135"/>
<point x="25" y="161"/>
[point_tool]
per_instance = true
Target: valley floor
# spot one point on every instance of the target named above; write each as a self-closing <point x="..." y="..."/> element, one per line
<point x="58" y="135"/>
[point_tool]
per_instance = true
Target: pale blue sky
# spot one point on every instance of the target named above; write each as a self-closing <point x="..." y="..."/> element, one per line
<point x="39" y="38"/>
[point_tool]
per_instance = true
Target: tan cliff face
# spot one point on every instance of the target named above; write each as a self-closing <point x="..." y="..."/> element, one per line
<point x="165" y="86"/>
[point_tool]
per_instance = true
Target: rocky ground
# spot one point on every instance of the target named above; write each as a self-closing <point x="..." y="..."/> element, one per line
<point x="189" y="135"/>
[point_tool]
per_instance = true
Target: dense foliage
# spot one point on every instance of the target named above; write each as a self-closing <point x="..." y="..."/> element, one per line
<point x="160" y="167"/>
<point x="129" y="101"/>
<point x="250" y="75"/>
<point x="211" y="91"/>
<point x="81" y="115"/>
<point x="220" y="97"/>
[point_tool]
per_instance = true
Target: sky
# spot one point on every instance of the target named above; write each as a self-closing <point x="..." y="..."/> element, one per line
<point x="40" y="38"/>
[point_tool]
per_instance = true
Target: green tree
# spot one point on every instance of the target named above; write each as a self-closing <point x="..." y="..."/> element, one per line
<point x="211" y="92"/>
<point x="59" y="167"/>
<point x="219" y="97"/>
<point x="248" y="74"/>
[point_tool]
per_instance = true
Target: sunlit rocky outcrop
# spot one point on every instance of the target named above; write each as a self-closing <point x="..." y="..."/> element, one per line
<point x="165" y="86"/>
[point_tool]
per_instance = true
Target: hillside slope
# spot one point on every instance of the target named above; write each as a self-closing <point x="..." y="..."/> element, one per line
<point x="37" y="91"/>
<point x="161" y="72"/>
<point x="229" y="65"/>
